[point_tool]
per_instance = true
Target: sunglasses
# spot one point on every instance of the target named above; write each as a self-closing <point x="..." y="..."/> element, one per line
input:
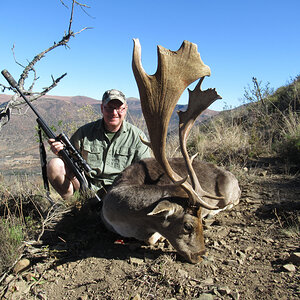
<point x="112" y="109"/>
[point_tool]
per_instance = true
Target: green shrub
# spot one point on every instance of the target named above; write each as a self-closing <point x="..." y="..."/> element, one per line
<point x="11" y="237"/>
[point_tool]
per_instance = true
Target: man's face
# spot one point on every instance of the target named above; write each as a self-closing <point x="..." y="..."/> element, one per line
<point x="114" y="113"/>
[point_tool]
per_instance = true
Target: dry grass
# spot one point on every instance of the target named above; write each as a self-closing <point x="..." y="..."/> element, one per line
<point x="21" y="212"/>
<point x="221" y="144"/>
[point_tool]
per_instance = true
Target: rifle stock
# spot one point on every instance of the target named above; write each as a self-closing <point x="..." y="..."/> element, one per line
<point x="69" y="154"/>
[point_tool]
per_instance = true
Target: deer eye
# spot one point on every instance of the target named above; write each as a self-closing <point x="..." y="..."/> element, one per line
<point x="188" y="227"/>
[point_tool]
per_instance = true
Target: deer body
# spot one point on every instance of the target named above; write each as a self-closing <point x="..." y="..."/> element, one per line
<point x="143" y="202"/>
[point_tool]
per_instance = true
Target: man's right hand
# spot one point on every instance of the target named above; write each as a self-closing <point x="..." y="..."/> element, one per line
<point x="56" y="146"/>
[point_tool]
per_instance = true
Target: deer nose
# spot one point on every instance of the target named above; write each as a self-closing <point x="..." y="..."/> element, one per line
<point x="197" y="256"/>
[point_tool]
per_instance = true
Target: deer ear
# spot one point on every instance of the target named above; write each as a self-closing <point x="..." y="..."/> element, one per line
<point x="164" y="208"/>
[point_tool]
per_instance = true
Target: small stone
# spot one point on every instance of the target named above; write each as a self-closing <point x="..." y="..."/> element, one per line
<point x="209" y="222"/>
<point x="59" y="268"/>
<point x="249" y="249"/>
<point x="230" y="262"/>
<point x="224" y="290"/>
<point x="241" y="254"/>
<point x="29" y="276"/>
<point x="8" y="279"/>
<point x="268" y="240"/>
<point x="263" y="173"/>
<point x="208" y="281"/>
<point x="136" y="261"/>
<point x="284" y="255"/>
<point x="182" y="273"/>
<point x="235" y="295"/>
<point x="206" y="296"/>
<point x="289" y="267"/>
<point x="136" y="297"/>
<point x="21" y="265"/>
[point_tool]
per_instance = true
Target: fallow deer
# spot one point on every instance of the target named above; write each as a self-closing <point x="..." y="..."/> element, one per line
<point x="161" y="197"/>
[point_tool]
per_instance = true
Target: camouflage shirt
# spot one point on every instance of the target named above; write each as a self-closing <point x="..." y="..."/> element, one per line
<point x="108" y="157"/>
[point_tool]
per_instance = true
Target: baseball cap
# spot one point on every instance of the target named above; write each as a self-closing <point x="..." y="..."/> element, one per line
<point x="113" y="95"/>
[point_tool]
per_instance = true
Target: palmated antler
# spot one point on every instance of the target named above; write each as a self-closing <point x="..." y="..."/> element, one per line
<point x="159" y="94"/>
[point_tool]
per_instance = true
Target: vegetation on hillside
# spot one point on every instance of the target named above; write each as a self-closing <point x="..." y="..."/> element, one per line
<point x="262" y="127"/>
<point x="267" y="125"/>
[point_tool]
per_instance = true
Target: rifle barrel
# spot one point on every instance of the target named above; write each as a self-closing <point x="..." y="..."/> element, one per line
<point x="14" y="84"/>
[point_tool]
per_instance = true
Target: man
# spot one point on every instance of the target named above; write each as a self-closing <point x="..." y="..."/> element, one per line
<point x="109" y="145"/>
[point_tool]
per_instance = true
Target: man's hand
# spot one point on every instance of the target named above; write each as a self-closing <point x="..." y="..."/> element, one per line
<point x="56" y="146"/>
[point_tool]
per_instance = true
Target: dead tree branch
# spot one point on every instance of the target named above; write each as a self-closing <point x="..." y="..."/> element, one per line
<point x="6" y="107"/>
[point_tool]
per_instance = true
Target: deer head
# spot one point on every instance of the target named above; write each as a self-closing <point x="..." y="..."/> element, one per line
<point x="159" y="94"/>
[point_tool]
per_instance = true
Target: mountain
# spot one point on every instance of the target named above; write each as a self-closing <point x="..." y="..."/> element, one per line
<point x="19" y="149"/>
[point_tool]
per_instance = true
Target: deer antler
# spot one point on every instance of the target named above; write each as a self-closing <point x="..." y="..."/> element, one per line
<point x="198" y="101"/>
<point x="159" y="94"/>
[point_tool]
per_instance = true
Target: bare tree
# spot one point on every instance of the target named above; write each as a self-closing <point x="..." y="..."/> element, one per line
<point x="15" y="101"/>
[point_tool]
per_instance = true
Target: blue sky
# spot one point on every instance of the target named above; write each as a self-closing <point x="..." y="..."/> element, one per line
<point x="238" y="39"/>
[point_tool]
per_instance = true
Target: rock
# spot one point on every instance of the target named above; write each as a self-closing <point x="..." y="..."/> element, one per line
<point x="16" y="290"/>
<point x="41" y="296"/>
<point x="224" y="290"/>
<point x="182" y="273"/>
<point x="241" y="254"/>
<point x="268" y="240"/>
<point x="208" y="281"/>
<point x="209" y="222"/>
<point x="8" y="279"/>
<point x="29" y="276"/>
<point x="136" y="261"/>
<point x="230" y="262"/>
<point x="136" y="297"/>
<point x="289" y="267"/>
<point x="59" y="268"/>
<point x="295" y="258"/>
<point x="263" y="173"/>
<point x="205" y="296"/>
<point x="21" y="265"/>
<point x="235" y="295"/>
<point x="284" y="255"/>
<point x="249" y="249"/>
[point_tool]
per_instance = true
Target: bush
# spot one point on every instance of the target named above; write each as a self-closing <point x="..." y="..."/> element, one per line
<point x="220" y="143"/>
<point x="261" y="128"/>
<point x="288" y="147"/>
<point x="11" y="237"/>
<point x="20" y="217"/>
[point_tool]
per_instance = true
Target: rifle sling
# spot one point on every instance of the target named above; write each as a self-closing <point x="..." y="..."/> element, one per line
<point x="43" y="160"/>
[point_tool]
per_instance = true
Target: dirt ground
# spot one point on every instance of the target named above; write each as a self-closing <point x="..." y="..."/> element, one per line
<point x="252" y="253"/>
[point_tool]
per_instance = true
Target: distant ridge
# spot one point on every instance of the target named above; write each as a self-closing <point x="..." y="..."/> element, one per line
<point x="133" y="103"/>
<point x="19" y="147"/>
<point x="70" y="99"/>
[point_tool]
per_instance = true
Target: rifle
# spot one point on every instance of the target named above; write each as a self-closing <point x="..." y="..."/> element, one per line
<point x="69" y="154"/>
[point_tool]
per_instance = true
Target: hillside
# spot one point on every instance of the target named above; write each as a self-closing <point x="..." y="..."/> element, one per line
<point x="252" y="250"/>
<point x="19" y="147"/>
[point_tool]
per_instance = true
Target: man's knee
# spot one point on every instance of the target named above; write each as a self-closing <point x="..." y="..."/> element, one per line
<point x="56" y="166"/>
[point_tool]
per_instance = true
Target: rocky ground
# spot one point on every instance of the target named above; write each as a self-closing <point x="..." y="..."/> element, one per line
<point x="252" y="253"/>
